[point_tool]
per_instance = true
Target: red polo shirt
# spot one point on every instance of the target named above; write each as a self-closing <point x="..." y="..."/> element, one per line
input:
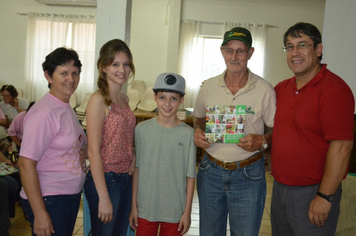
<point x="306" y="121"/>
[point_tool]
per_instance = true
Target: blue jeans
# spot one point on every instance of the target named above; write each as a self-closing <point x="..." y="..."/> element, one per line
<point x="119" y="188"/>
<point x="238" y="193"/>
<point x="63" y="210"/>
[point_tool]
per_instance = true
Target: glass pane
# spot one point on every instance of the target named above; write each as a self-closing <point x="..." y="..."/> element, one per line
<point x="212" y="61"/>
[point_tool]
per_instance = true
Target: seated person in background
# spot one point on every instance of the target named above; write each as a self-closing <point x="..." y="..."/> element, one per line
<point x="13" y="187"/>
<point x="15" y="130"/>
<point x="3" y="119"/>
<point x="4" y="209"/>
<point x="11" y="104"/>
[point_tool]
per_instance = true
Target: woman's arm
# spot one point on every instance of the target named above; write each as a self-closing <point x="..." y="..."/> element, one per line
<point x="95" y="115"/>
<point x="4" y="159"/>
<point x="22" y="104"/>
<point x="16" y="128"/>
<point x="31" y="184"/>
<point x="17" y="105"/>
<point x="16" y="140"/>
<point x="3" y="122"/>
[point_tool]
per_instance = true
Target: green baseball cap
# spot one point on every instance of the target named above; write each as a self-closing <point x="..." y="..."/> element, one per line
<point x="238" y="33"/>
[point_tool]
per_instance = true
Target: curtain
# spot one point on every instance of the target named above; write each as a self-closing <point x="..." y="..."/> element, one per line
<point x="189" y="62"/>
<point x="45" y="33"/>
<point x="43" y="36"/>
<point x="83" y="41"/>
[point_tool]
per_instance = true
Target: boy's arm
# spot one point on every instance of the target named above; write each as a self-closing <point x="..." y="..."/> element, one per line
<point x="133" y="219"/>
<point x="185" y="220"/>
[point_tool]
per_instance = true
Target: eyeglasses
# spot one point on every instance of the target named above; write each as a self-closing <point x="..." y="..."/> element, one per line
<point x="230" y="51"/>
<point x="5" y="95"/>
<point x="302" y="46"/>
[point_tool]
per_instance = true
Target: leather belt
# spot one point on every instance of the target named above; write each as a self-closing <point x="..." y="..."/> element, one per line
<point x="236" y="164"/>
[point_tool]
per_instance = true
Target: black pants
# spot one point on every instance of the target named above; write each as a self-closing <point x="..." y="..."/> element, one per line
<point x="13" y="188"/>
<point x="4" y="209"/>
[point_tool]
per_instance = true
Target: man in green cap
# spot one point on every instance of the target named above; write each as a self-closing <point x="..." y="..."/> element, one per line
<point x="231" y="177"/>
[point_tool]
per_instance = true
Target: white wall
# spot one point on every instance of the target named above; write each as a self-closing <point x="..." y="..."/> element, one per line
<point x="150" y="37"/>
<point x="338" y="39"/>
<point x="13" y="29"/>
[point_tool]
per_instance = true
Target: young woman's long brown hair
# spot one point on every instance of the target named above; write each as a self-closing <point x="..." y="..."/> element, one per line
<point x="106" y="57"/>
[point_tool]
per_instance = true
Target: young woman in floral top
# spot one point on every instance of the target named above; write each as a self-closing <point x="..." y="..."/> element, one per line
<point x="110" y="130"/>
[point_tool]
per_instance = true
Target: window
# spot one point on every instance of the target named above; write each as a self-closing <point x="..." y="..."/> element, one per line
<point x="46" y="32"/>
<point x="213" y="63"/>
<point x="200" y="57"/>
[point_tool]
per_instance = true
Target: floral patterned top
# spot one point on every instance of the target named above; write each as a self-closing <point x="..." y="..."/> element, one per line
<point x="117" y="139"/>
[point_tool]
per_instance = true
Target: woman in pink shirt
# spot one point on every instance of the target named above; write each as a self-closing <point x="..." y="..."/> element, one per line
<point x="15" y="130"/>
<point x="53" y="151"/>
<point x="110" y="129"/>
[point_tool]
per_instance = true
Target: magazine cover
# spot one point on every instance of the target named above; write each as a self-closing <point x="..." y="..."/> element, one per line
<point x="225" y="124"/>
<point x="6" y="169"/>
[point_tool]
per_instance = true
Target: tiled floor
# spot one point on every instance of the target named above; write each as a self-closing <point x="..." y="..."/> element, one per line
<point x="20" y="227"/>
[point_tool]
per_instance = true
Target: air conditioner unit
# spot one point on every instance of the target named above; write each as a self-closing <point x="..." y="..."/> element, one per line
<point x="69" y="2"/>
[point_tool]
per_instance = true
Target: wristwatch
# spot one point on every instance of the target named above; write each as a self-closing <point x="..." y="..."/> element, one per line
<point x="264" y="145"/>
<point x="329" y="198"/>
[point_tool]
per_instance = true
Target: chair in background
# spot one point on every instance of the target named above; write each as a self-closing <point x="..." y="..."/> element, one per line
<point x="140" y="86"/>
<point x="82" y="108"/>
<point x="133" y="98"/>
<point x="73" y="101"/>
<point x="148" y="103"/>
<point x="84" y="123"/>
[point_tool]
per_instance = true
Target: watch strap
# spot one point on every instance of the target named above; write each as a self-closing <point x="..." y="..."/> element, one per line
<point x="264" y="145"/>
<point x="329" y="198"/>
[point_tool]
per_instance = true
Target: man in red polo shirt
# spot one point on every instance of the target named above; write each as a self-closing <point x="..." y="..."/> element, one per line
<point x="312" y="139"/>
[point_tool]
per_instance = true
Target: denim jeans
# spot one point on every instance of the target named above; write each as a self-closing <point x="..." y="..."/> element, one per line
<point x="63" y="210"/>
<point x="119" y="188"/>
<point x="239" y="194"/>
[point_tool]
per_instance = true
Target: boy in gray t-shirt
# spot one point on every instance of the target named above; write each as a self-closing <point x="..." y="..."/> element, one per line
<point x="163" y="181"/>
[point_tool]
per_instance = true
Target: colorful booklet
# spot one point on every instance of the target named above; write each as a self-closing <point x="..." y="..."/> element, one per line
<point x="225" y="124"/>
<point x="6" y="169"/>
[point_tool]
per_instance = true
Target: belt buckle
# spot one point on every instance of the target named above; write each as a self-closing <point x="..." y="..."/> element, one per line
<point x="226" y="162"/>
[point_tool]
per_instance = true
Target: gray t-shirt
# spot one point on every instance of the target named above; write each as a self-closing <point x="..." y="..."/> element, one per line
<point x="165" y="157"/>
